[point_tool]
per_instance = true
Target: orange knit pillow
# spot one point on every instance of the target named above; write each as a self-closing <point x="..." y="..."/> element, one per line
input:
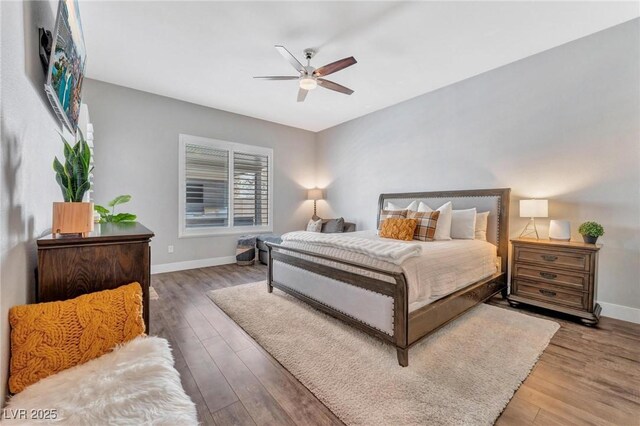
<point x="50" y="337"/>
<point x="398" y="229"/>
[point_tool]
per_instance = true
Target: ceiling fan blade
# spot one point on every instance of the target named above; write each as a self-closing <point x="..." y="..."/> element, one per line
<point x="334" y="86"/>
<point x="335" y="66"/>
<point x="292" y="59"/>
<point x="278" y="77"/>
<point x="302" y="93"/>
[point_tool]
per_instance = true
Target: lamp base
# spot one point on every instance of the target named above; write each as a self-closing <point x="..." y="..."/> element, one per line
<point x="530" y="230"/>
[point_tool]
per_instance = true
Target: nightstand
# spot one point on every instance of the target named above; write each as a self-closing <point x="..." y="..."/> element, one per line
<point x="557" y="275"/>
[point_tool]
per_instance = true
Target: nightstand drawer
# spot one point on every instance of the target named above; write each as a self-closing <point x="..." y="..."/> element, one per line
<point x="573" y="280"/>
<point x="549" y="257"/>
<point x="550" y="293"/>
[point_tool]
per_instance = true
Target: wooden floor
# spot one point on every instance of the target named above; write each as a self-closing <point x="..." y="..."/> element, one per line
<point x="585" y="376"/>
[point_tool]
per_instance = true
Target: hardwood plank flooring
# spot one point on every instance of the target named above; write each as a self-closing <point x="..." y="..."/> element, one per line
<point x="586" y="376"/>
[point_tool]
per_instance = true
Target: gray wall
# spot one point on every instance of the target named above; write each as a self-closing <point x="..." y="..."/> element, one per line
<point x="562" y="125"/>
<point x="30" y="140"/>
<point x="136" y="152"/>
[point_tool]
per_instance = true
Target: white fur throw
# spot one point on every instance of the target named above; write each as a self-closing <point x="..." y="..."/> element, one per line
<point x="394" y="252"/>
<point x="136" y="384"/>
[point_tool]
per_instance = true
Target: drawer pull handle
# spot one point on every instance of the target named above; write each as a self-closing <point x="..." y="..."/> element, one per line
<point x="547" y="292"/>
<point x="549" y="258"/>
<point x="548" y="275"/>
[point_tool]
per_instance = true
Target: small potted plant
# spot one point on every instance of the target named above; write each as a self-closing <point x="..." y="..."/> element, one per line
<point x="110" y="216"/>
<point x="590" y="232"/>
<point x="73" y="216"/>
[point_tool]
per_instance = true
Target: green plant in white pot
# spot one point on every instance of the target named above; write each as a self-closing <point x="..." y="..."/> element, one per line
<point x="590" y="232"/>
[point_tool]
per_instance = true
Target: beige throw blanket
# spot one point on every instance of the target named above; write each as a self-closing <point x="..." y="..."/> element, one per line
<point x="394" y="252"/>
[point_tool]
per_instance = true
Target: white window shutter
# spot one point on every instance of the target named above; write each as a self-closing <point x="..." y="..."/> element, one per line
<point x="207" y="187"/>
<point x="225" y="187"/>
<point x="250" y="189"/>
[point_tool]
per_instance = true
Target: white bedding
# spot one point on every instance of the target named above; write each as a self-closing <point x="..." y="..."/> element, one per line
<point x="392" y="251"/>
<point x="441" y="268"/>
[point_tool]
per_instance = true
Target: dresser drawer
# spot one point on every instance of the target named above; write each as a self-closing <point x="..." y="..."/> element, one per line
<point x="550" y="257"/>
<point x="550" y="293"/>
<point x="574" y="280"/>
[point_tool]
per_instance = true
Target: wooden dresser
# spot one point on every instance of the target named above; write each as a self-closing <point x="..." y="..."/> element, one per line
<point x="557" y="275"/>
<point x="112" y="255"/>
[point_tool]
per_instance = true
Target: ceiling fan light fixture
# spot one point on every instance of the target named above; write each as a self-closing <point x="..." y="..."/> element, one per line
<point x="309" y="77"/>
<point x="308" y="83"/>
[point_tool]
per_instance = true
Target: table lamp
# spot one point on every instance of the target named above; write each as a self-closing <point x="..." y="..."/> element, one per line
<point x="315" y="194"/>
<point x="533" y="209"/>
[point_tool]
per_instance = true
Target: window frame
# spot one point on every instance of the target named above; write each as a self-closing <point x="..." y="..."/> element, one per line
<point x="231" y="147"/>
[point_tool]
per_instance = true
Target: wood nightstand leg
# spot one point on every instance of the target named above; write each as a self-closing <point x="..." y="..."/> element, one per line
<point x="513" y="303"/>
<point x="594" y="319"/>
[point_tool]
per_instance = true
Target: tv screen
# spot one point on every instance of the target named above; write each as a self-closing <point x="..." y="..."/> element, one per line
<point x="66" y="65"/>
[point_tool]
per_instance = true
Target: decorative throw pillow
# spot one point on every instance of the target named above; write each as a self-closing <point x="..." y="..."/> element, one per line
<point x="333" y="226"/>
<point x="50" y="337"/>
<point x="443" y="229"/>
<point x="412" y="206"/>
<point x="314" y="225"/>
<point x="482" y="221"/>
<point x="463" y="224"/>
<point x="387" y="214"/>
<point x="426" y="224"/>
<point x="398" y="229"/>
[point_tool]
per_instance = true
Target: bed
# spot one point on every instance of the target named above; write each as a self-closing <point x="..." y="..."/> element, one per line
<point x="400" y="303"/>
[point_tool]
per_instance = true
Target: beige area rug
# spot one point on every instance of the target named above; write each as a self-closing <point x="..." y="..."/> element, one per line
<point x="153" y="294"/>
<point x="464" y="374"/>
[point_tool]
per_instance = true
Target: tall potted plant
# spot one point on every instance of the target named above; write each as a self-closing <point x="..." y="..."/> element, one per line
<point x="73" y="216"/>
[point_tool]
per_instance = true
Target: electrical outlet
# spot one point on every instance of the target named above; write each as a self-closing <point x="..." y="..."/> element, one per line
<point x="169" y="249"/>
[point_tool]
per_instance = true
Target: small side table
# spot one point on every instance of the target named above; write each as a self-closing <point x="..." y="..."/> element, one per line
<point x="558" y="275"/>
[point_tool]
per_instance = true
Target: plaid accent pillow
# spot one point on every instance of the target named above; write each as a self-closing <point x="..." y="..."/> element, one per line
<point x="426" y="227"/>
<point x="387" y="214"/>
<point x="398" y="228"/>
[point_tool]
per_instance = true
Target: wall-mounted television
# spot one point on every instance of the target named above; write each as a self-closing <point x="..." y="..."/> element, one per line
<point x="66" y="65"/>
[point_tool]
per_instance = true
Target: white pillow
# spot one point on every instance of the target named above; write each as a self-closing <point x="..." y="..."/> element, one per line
<point x="314" y="225"/>
<point x="463" y="224"/>
<point x="412" y="206"/>
<point x="443" y="226"/>
<point x="482" y="220"/>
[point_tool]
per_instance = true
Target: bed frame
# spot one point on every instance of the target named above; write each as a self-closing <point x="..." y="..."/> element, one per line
<point x="408" y="327"/>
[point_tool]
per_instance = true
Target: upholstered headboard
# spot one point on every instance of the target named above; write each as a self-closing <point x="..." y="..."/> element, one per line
<point x="495" y="201"/>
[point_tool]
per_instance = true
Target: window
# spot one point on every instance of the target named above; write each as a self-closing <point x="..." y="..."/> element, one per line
<point x="225" y="187"/>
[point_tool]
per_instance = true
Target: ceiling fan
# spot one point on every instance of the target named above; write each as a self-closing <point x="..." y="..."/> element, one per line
<point x="310" y="77"/>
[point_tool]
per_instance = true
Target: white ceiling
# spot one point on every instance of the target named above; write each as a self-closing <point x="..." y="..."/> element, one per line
<point x="207" y="52"/>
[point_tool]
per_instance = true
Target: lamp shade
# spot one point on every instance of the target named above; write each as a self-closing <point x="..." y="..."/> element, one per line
<point x="534" y="208"/>
<point x="315" y="194"/>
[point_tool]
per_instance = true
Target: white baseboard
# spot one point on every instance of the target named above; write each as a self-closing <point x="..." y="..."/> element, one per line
<point x="192" y="264"/>
<point x="620" y="312"/>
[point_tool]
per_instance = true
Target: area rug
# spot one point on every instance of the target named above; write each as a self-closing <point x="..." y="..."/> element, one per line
<point x="153" y="294"/>
<point x="464" y="374"/>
